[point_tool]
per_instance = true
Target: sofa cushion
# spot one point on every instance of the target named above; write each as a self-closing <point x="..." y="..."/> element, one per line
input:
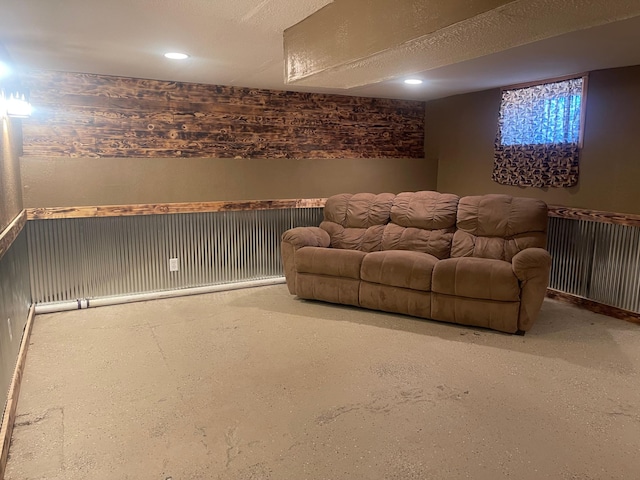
<point x="426" y="210"/>
<point x="498" y="226"/>
<point x="480" y="278"/>
<point x="399" y="268"/>
<point x="329" y="261"/>
<point x="433" y="242"/>
<point x="363" y="239"/>
<point x="356" y="222"/>
<point x="328" y="289"/>
<point x="422" y="222"/>
<point x="395" y="299"/>
<point x="361" y="210"/>
<point x="502" y="316"/>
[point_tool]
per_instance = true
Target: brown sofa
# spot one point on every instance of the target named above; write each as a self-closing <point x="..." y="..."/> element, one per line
<point x="476" y="260"/>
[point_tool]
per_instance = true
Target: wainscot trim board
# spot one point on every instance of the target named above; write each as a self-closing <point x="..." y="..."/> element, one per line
<point x="8" y="236"/>
<point x="44" y="213"/>
<point x="594" y="306"/>
<point x="51" y="213"/>
<point x="9" y="417"/>
<point x="600" y="216"/>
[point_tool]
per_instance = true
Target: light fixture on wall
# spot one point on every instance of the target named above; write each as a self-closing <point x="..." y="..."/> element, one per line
<point x="15" y="103"/>
<point x="14" y="99"/>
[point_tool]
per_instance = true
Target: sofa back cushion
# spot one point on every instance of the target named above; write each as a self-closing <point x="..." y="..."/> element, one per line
<point x="357" y="221"/>
<point x="499" y="226"/>
<point x="422" y="222"/>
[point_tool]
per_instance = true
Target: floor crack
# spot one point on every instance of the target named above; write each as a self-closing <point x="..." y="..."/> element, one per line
<point x="230" y="437"/>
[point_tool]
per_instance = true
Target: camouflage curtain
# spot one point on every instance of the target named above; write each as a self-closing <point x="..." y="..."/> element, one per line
<point x="537" y="144"/>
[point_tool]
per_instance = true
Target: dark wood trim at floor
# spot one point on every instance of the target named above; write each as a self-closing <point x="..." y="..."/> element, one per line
<point x="8" y="236"/>
<point x="47" y="213"/>
<point x="14" y="392"/>
<point x="594" y="306"/>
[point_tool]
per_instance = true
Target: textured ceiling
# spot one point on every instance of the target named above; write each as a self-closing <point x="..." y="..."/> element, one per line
<point x="325" y="53"/>
<point x="240" y="43"/>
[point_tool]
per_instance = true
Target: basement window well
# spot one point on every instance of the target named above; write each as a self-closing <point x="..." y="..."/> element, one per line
<point x="539" y="133"/>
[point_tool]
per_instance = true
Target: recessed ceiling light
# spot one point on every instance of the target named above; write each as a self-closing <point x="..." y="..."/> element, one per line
<point x="413" y="81"/>
<point x="176" y="55"/>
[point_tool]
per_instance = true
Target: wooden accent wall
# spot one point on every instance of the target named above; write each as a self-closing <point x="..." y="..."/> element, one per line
<point x="83" y="115"/>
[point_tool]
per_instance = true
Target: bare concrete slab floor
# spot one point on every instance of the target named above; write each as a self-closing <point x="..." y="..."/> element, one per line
<point x="255" y="384"/>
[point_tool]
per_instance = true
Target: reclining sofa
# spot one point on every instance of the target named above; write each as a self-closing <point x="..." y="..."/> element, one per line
<point x="477" y="260"/>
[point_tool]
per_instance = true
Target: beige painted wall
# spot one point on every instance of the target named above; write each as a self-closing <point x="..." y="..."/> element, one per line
<point x="10" y="185"/>
<point x="63" y="181"/>
<point x="460" y="132"/>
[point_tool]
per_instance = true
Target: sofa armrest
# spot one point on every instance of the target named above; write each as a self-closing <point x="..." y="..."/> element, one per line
<point x="531" y="263"/>
<point x="532" y="267"/>
<point x="295" y="239"/>
<point x="306" y="237"/>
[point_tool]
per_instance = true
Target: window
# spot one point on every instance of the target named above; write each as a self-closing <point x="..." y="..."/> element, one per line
<point x="539" y="134"/>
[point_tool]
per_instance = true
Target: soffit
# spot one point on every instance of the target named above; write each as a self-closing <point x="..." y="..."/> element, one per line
<point x="339" y="47"/>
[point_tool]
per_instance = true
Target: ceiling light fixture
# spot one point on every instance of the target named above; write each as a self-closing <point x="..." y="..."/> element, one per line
<point x="176" y="55"/>
<point x="413" y="81"/>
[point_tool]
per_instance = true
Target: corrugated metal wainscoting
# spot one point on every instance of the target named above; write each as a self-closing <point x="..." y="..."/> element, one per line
<point x="15" y="301"/>
<point x="598" y="261"/>
<point x="102" y="257"/>
<point x="81" y="258"/>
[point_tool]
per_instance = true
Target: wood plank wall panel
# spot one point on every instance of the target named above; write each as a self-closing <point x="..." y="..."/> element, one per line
<point x="102" y="116"/>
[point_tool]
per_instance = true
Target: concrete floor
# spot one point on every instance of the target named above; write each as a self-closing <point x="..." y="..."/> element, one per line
<point x="256" y="384"/>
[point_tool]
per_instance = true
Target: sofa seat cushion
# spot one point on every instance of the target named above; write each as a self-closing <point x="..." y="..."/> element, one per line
<point x="399" y="268"/>
<point x="329" y="261"/>
<point x="480" y="278"/>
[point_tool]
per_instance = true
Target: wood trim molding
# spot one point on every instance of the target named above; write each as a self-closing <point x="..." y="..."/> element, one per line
<point x="600" y="216"/>
<point x="9" y="417"/>
<point x="49" y="213"/>
<point x="8" y="236"/>
<point x="46" y="213"/>
<point x="594" y="306"/>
